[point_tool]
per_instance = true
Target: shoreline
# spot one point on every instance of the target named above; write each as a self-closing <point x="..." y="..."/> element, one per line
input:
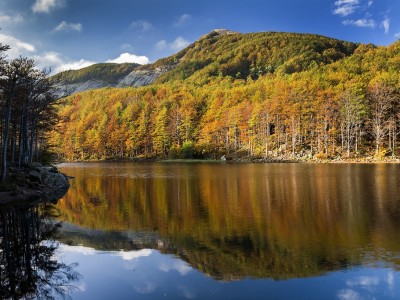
<point x="33" y="183"/>
<point x="360" y="160"/>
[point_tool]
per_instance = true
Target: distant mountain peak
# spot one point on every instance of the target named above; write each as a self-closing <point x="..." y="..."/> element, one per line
<point x="222" y="31"/>
<point x="218" y="31"/>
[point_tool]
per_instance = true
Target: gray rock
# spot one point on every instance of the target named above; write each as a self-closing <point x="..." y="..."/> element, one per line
<point x="56" y="181"/>
<point x="143" y="76"/>
<point x="35" y="176"/>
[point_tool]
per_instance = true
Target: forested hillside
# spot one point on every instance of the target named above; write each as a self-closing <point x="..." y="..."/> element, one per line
<point x="266" y="95"/>
<point x="107" y="72"/>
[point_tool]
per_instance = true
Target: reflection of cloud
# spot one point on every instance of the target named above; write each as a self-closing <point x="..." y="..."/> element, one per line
<point x="145" y="288"/>
<point x="186" y="292"/>
<point x="348" y="294"/>
<point x="81" y="287"/>
<point x="125" y="255"/>
<point x="390" y="280"/>
<point x="131" y="255"/>
<point x="364" y="281"/>
<point x="180" y="266"/>
<point x="78" y="249"/>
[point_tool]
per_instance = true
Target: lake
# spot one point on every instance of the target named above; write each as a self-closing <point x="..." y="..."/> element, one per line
<point x="211" y="230"/>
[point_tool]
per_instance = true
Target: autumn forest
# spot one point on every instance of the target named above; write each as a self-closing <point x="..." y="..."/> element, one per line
<point x="272" y="96"/>
<point x="264" y="95"/>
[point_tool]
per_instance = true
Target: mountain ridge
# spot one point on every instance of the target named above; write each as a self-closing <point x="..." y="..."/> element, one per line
<point x="221" y="52"/>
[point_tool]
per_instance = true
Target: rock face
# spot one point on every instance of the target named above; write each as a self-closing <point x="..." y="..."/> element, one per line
<point x="143" y="77"/>
<point x="72" y="88"/>
<point x="140" y="77"/>
<point x="33" y="183"/>
<point x="49" y="177"/>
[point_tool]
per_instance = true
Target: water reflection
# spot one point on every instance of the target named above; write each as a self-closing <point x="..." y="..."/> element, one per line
<point x="28" y="267"/>
<point x="234" y="221"/>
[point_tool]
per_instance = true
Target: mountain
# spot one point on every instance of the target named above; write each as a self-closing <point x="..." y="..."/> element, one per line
<point x="92" y="77"/>
<point x="219" y="53"/>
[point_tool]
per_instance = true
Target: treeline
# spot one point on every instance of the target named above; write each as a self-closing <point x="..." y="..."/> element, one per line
<point x="26" y="110"/>
<point x="349" y="108"/>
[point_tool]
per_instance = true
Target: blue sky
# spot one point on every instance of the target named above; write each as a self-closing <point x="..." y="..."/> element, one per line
<point x="69" y="34"/>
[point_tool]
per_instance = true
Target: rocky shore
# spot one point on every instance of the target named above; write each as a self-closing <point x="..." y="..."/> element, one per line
<point x="33" y="182"/>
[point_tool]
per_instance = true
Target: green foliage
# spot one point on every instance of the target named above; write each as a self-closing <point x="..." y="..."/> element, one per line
<point x="242" y="55"/>
<point x="272" y="95"/>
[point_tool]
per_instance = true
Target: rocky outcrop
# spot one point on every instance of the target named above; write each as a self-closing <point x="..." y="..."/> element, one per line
<point x="48" y="177"/>
<point x="72" y="88"/>
<point x="34" y="182"/>
<point x="142" y="77"/>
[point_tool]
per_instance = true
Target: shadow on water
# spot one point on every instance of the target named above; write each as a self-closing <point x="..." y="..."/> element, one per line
<point x="28" y="264"/>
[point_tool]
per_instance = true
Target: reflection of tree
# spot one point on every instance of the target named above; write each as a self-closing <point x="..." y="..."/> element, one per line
<point x="28" y="268"/>
<point x="233" y="221"/>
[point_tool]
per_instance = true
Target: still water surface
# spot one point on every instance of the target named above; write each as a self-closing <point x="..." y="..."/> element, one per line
<point x="232" y="231"/>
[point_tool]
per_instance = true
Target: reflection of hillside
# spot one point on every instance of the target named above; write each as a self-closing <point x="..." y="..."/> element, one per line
<point x="231" y="221"/>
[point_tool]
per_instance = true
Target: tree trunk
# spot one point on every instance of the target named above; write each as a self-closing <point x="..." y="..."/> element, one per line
<point x="6" y="131"/>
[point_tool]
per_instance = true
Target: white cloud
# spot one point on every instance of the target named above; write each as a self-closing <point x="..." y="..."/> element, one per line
<point x="345" y="7"/>
<point x="185" y="18"/>
<point x="386" y="25"/>
<point x="360" y="23"/>
<point x="64" y="26"/>
<point x="370" y="3"/>
<point x="11" y="19"/>
<point x="44" y="6"/>
<point x="18" y="47"/>
<point x="179" y="43"/>
<point x="126" y="47"/>
<point x="130" y="58"/>
<point x="397" y="35"/>
<point x="161" y="45"/>
<point x="142" y="25"/>
<point x="74" y="65"/>
<point x="56" y="63"/>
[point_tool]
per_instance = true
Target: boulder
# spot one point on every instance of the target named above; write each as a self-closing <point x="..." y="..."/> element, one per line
<point x="56" y="181"/>
<point x="35" y="176"/>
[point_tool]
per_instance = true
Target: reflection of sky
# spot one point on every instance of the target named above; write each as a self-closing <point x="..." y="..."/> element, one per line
<point x="148" y="274"/>
<point x="379" y="284"/>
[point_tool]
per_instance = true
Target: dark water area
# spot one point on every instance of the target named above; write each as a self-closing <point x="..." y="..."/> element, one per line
<point x="227" y="231"/>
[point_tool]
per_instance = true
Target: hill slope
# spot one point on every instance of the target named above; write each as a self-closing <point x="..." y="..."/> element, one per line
<point x="313" y="97"/>
<point x="92" y="77"/>
<point x="221" y="53"/>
